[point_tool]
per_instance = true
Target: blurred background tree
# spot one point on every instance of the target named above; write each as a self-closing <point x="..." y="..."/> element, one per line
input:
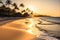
<point x="22" y="5"/>
<point x="6" y="10"/>
<point x="15" y="6"/>
<point x="8" y="3"/>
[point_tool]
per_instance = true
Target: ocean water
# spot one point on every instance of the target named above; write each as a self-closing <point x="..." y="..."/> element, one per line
<point x="50" y="24"/>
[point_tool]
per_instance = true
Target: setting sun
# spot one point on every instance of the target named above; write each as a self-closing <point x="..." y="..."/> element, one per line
<point x="32" y="8"/>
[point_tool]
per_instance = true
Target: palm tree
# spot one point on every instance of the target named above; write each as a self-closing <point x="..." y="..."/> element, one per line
<point x="22" y="5"/>
<point x="23" y="11"/>
<point x="28" y="10"/>
<point x="25" y="14"/>
<point x="8" y="3"/>
<point x="1" y="2"/>
<point x="3" y="6"/>
<point x="32" y="13"/>
<point x="15" y="6"/>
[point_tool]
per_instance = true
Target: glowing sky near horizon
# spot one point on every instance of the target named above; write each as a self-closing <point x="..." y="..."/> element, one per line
<point x="45" y="7"/>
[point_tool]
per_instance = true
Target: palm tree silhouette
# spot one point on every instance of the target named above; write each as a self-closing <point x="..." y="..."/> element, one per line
<point x="15" y="6"/>
<point x="21" y="5"/>
<point x="25" y="14"/>
<point x="8" y="3"/>
<point x="28" y="10"/>
<point x="32" y="13"/>
<point x="1" y="2"/>
<point x="3" y="6"/>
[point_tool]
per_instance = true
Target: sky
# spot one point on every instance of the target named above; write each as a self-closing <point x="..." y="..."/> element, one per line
<point x="44" y="7"/>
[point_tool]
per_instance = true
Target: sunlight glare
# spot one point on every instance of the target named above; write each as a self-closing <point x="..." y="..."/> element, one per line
<point x="31" y="21"/>
<point x="30" y="31"/>
<point x="31" y="8"/>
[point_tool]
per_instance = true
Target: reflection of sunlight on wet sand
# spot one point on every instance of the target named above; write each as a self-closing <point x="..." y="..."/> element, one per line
<point x="29" y="31"/>
<point x="31" y="23"/>
<point x="33" y="29"/>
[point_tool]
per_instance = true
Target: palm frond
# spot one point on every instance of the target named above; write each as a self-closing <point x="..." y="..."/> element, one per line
<point x="22" y="5"/>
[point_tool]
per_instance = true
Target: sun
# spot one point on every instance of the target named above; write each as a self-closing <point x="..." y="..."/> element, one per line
<point x="31" y="8"/>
